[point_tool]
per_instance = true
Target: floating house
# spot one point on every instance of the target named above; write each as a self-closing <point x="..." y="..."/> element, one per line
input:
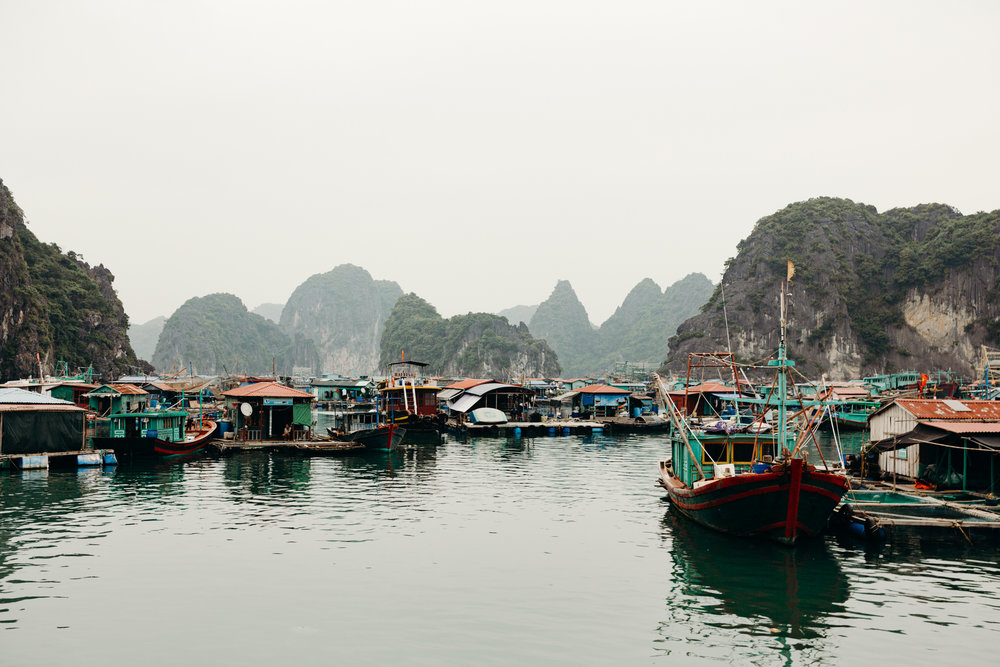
<point x="946" y="442"/>
<point x="463" y="397"/>
<point x="33" y="423"/>
<point x="74" y="392"/>
<point x="110" y="399"/>
<point x="600" y="400"/>
<point x="270" y="411"/>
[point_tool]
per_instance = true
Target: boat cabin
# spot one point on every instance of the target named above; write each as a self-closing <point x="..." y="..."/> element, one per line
<point x="721" y="454"/>
<point x="405" y="393"/>
<point x="166" y="425"/>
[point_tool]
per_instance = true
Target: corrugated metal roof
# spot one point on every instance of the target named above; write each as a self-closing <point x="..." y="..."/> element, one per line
<point x="267" y="390"/>
<point x="486" y="388"/>
<point x="448" y="394"/>
<point x="601" y="389"/>
<point x="931" y="408"/>
<point x="962" y="427"/>
<point x="465" y="384"/>
<point x="126" y="388"/>
<point x="464" y="403"/>
<point x="13" y="396"/>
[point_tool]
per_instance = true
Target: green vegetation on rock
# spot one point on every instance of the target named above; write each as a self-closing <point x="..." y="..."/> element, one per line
<point x="55" y="306"/>
<point x="216" y="334"/>
<point x="638" y="331"/>
<point x="872" y="292"/>
<point x="474" y="345"/>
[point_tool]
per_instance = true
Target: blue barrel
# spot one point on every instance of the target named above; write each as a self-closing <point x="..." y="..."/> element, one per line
<point x="552" y="430"/>
<point x="224" y="427"/>
<point x="34" y="462"/>
<point x="517" y="431"/>
<point x="597" y="429"/>
<point x="89" y="459"/>
<point x="636" y="412"/>
<point x="565" y="430"/>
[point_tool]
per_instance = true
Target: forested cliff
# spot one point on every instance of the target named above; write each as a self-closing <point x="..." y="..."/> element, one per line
<point x="474" y="345"/>
<point x="911" y="288"/>
<point x="54" y="306"/>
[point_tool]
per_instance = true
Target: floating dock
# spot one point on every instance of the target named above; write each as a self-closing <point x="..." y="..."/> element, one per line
<point x="307" y="447"/>
<point x="87" y="458"/>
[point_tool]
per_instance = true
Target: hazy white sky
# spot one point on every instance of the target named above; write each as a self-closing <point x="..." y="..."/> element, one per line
<point x="476" y="152"/>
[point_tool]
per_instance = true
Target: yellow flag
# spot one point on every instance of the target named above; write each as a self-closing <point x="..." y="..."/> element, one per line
<point x="791" y="271"/>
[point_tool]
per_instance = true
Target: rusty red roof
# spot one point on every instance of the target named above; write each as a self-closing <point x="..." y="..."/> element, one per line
<point x="950" y="409"/>
<point x="267" y="390"/>
<point x="127" y="389"/>
<point x="963" y="427"/>
<point x="600" y="389"/>
<point x="466" y="384"/>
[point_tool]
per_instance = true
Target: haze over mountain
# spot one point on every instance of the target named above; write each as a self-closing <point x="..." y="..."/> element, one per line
<point x="55" y="307"/>
<point x="473" y="345"/>
<point x="343" y="311"/>
<point x="637" y="332"/>
<point x="145" y="336"/>
<point x="271" y="311"/>
<point x="217" y="334"/>
<point x="519" y="314"/>
<point x="911" y="288"/>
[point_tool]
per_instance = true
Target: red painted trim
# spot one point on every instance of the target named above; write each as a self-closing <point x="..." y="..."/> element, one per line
<point x="795" y="487"/>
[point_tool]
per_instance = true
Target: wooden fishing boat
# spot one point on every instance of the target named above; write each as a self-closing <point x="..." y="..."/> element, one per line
<point x="162" y="433"/>
<point x="743" y="483"/>
<point x="361" y="423"/>
<point x="408" y="402"/>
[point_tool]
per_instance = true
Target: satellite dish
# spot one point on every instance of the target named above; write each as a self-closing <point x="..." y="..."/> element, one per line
<point x="246" y="409"/>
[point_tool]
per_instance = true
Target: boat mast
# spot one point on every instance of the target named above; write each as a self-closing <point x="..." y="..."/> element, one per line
<point x="782" y="390"/>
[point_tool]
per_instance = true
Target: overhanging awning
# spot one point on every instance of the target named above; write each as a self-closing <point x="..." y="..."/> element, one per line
<point x="449" y="394"/>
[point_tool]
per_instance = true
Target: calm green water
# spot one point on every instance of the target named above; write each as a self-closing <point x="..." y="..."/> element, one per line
<point x="544" y="551"/>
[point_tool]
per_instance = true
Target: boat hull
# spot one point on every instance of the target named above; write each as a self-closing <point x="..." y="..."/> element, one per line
<point x="791" y="502"/>
<point x="154" y="447"/>
<point x="380" y="438"/>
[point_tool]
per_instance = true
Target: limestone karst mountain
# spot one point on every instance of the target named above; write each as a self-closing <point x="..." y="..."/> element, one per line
<point x="910" y="288"/>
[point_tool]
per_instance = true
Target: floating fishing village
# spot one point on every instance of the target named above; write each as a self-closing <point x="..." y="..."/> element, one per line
<point x="499" y="334"/>
<point x="745" y="456"/>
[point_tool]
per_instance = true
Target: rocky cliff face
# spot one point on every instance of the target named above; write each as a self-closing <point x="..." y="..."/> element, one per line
<point x="344" y="312"/>
<point x="473" y="345"/>
<point x="54" y="306"/>
<point x="909" y="288"/>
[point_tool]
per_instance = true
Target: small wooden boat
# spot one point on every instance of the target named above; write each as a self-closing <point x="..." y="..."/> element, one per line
<point x="378" y="438"/>
<point x="156" y="433"/>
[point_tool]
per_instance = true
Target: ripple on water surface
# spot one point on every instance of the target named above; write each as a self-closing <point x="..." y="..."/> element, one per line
<point x="487" y="551"/>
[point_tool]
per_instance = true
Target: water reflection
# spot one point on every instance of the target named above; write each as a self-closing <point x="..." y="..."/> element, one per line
<point x="260" y="474"/>
<point x="738" y="597"/>
<point x="45" y="518"/>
